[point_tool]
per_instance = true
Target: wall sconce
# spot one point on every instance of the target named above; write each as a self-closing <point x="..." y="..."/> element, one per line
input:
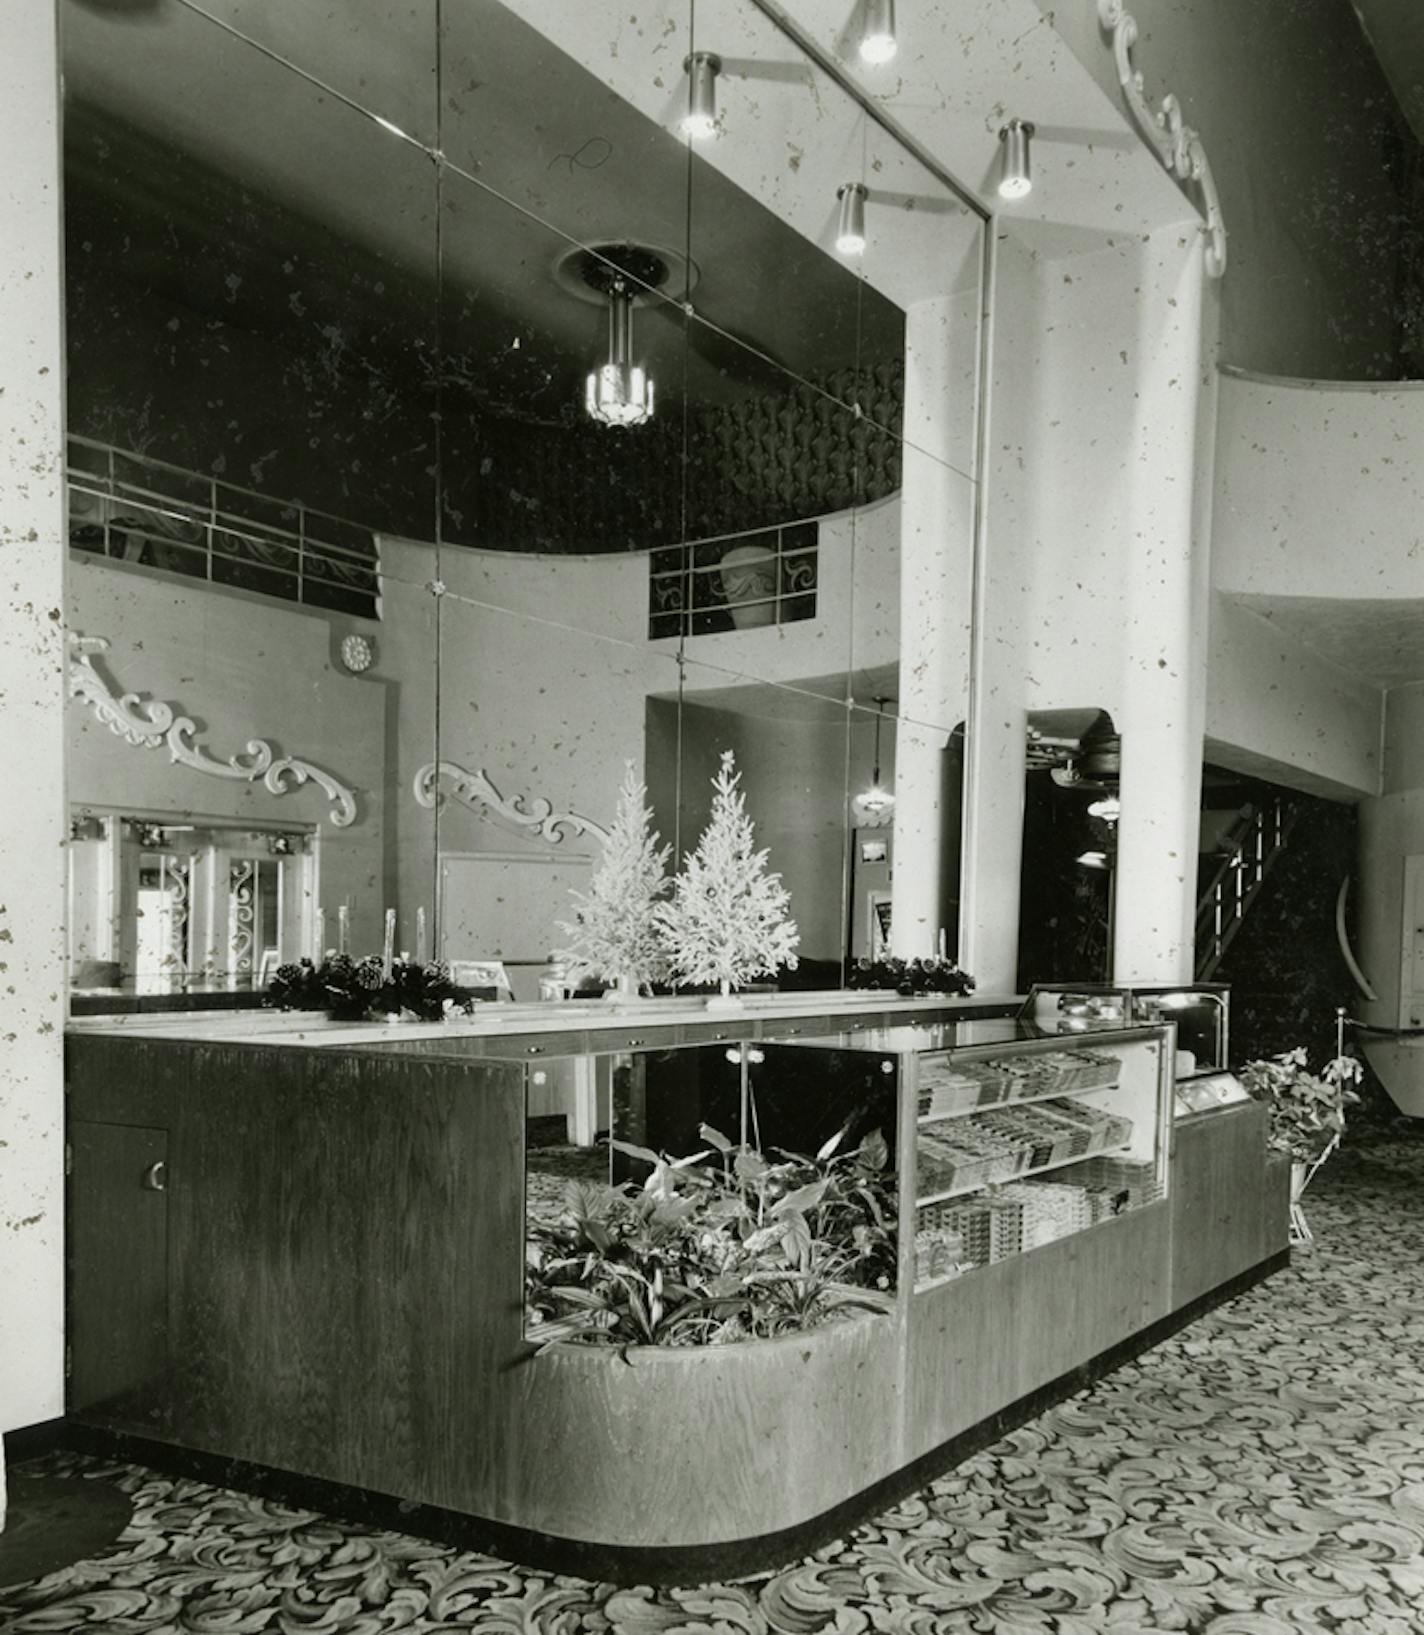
<point x="619" y="393"/>
<point x="699" y="123"/>
<point x="850" y="230"/>
<point x="877" y="34"/>
<point x="1016" y="179"/>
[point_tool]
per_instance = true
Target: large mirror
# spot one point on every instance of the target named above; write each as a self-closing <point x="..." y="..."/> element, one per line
<point x="383" y="572"/>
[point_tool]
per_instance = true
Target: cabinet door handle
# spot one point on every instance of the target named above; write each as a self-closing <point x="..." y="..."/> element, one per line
<point x="155" y="1177"/>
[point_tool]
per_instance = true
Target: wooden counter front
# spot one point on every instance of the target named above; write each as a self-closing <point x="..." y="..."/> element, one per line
<point x="329" y="1284"/>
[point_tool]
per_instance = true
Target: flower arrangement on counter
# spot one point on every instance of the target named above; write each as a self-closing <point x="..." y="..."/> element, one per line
<point x="352" y="990"/>
<point x="911" y="976"/>
<point x="722" y="1246"/>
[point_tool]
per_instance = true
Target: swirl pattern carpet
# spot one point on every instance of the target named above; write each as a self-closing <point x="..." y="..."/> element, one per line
<point x="1261" y="1473"/>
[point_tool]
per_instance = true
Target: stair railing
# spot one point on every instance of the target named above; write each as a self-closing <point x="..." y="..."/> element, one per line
<point x="1253" y="844"/>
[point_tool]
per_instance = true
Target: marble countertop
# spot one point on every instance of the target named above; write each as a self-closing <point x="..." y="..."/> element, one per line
<point x="494" y="1019"/>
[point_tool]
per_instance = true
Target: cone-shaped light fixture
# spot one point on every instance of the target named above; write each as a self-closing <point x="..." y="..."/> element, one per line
<point x="700" y="121"/>
<point x="877" y="34"/>
<point x="850" y="230"/>
<point x="618" y="393"/>
<point x="1016" y="178"/>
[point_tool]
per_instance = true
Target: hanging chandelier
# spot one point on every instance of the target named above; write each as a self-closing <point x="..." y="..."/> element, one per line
<point x="874" y="805"/>
<point x="619" y="393"/>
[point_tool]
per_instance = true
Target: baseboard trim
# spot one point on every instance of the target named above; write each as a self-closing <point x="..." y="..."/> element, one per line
<point x="639" y="1564"/>
<point x="34" y="1441"/>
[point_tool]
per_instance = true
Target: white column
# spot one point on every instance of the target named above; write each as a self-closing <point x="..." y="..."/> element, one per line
<point x="33" y="826"/>
<point x="1164" y="676"/>
<point x="936" y="534"/>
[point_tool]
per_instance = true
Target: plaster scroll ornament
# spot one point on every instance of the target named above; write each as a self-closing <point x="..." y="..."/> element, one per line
<point x="149" y="723"/>
<point x="1178" y="146"/>
<point x="529" y="814"/>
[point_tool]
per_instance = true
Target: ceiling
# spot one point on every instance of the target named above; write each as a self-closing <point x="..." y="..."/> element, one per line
<point x="1380" y="641"/>
<point x="551" y="158"/>
<point x="1395" y="29"/>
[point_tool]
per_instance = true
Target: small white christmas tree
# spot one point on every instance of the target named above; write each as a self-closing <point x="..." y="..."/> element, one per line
<point x="614" y="934"/>
<point x="727" y="920"/>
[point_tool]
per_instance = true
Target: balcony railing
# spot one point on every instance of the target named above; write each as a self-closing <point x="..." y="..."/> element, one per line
<point x="145" y="512"/>
<point x="767" y="577"/>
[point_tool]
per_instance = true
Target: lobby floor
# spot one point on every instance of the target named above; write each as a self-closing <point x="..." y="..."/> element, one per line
<point x="1262" y="1471"/>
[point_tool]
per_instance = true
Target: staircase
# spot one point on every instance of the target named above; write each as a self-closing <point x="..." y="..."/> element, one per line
<point x="1253" y="844"/>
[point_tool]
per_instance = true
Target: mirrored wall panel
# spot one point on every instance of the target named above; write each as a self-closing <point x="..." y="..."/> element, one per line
<point x="252" y="395"/>
<point x="532" y="400"/>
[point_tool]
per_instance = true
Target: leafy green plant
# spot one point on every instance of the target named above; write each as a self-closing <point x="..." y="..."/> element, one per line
<point x="1307" y="1111"/>
<point x="724" y="1245"/>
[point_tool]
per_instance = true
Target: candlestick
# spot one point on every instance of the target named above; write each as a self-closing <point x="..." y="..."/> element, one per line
<point x="420" y="935"/>
<point x="343" y="929"/>
<point x="941" y="942"/>
<point x="388" y="947"/>
<point x="319" y="952"/>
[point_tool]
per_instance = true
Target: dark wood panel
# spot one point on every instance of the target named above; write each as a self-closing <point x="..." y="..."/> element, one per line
<point x="1220" y="1202"/>
<point x="347" y="1261"/>
<point x="995" y="1335"/>
<point x="118" y="1285"/>
<point x="113" y="1080"/>
<point x="678" y="1447"/>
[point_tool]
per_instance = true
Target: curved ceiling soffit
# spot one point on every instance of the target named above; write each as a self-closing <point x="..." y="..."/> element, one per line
<point x="1177" y="145"/>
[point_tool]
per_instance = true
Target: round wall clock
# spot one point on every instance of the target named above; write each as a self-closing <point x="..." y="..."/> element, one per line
<point x="357" y="654"/>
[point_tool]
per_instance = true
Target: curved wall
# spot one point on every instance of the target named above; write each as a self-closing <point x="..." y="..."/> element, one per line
<point x="1319" y="489"/>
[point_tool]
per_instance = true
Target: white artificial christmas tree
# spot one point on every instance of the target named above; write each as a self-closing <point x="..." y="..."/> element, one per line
<point x="726" y="921"/>
<point x="614" y="934"/>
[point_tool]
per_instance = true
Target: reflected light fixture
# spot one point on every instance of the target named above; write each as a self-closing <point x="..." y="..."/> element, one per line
<point x="1016" y="178"/>
<point x="877" y="799"/>
<point x="618" y="393"/>
<point x="700" y="121"/>
<point x="1108" y="808"/>
<point x="877" y="33"/>
<point x="1092" y="860"/>
<point x="850" y="230"/>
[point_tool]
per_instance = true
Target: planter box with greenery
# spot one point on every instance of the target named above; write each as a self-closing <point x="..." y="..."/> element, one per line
<point x="726" y="1245"/>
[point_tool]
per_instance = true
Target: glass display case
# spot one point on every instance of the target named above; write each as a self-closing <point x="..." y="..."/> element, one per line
<point x="1020" y="1135"/>
<point x="1200" y="1010"/>
<point x="915" y="1155"/>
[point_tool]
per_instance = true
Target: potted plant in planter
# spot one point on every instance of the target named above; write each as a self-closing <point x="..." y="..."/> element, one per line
<point x="1307" y="1114"/>
<point x="614" y="935"/>
<point x="726" y="921"/>
<point x="726" y="1245"/>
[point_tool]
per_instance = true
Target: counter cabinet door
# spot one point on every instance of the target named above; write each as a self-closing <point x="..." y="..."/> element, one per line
<point x="118" y="1272"/>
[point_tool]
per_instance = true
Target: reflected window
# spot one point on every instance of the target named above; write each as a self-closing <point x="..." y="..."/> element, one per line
<point x="156" y="906"/>
<point x="736" y="583"/>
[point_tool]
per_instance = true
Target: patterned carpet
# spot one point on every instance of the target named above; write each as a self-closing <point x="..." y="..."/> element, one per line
<point x="1261" y="1472"/>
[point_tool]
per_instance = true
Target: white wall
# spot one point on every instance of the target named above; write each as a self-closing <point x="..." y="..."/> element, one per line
<point x="32" y="814"/>
<point x="242" y="669"/>
<point x="1277" y="710"/>
<point x="1320" y="489"/>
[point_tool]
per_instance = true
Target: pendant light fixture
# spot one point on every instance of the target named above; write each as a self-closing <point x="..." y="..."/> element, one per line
<point x="874" y="803"/>
<point x="618" y="393"/>
<point x="850" y="230"/>
<point x="1016" y="178"/>
<point x="877" y="34"/>
<point x="699" y="123"/>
